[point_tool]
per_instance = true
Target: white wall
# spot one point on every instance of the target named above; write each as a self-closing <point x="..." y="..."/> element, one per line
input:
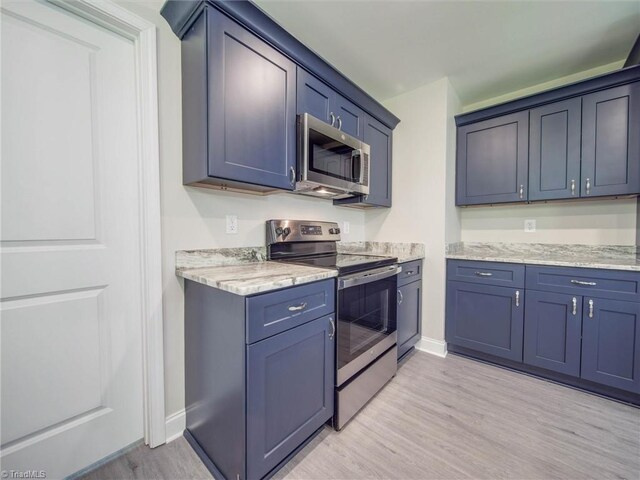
<point x="194" y="217"/>
<point x="603" y="222"/>
<point x="423" y="189"/>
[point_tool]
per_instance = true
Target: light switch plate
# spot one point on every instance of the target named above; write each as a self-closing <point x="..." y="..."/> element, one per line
<point x="529" y="226"/>
<point x="232" y="224"/>
<point x="345" y="227"/>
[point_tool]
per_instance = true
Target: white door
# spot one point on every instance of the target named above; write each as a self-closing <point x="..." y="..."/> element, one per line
<point x="71" y="329"/>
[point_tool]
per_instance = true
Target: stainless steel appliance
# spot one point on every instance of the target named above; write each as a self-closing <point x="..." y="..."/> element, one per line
<point x="366" y="354"/>
<point x="331" y="163"/>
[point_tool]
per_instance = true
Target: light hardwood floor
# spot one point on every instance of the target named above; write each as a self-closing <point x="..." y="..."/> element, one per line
<point x="445" y="419"/>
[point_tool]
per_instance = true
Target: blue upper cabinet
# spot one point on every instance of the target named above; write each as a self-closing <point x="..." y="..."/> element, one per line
<point x="318" y="99"/>
<point x="583" y="140"/>
<point x="611" y="142"/>
<point x="554" y="150"/>
<point x="611" y="343"/>
<point x="315" y="97"/>
<point x="379" y="138"/>
<point x="240" y="94"/>
<point x="492" y="160"/>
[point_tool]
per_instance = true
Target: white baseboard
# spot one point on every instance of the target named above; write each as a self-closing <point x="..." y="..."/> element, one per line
<point x="176" y="423"/>
<point x="432" y="346"/>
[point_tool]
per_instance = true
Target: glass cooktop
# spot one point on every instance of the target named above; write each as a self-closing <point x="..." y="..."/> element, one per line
<point x="344" y="262"/>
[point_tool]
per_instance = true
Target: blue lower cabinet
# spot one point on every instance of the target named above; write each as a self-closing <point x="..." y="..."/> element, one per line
<point x="289" y="392"/>
<point x="611" y="343"/>
<point x="409" y="316"/>
<point x="486" y="318"/>
<point x="552" y="330"/>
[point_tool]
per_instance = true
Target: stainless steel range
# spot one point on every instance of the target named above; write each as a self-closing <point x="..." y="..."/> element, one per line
<point x="366" y="356"/>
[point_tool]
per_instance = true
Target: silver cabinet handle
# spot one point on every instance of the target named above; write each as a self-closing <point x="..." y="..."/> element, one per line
<point x="590" y="308"/>
<point x="333" y="118"/>
<point x="410" y="272"/>
<point x="339" y="122"/>
<point x="521" y="192"/>
<point x="297" y="308"/>
<point x="333" y="328"/>
<point x="574" y="303"/>
<point x="588" y="185"/>
<point x="292" y="175"/>
<point x="573" y="187"/>
<point x="484" y="274"/>
<point x="580" y="282"/>
<point x="517" y="298"/>
<point x="400" y="297"/>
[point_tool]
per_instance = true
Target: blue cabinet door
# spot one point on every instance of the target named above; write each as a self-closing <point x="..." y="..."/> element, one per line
<point x="290" y="379"/>
<point x="349" y="118"/>
<point x="492" y="159"/>
<point x="554" y="150"/>
<point x="611" y="141"/>
<point x="252" y="106"/>
<point x="409" y="316"/>
<point x="379" y="138"/>
<point x="552" y="331"/>
<point x="611" y="343"/>
<point x="315" y="97"/>
<point x="485" y="318"/>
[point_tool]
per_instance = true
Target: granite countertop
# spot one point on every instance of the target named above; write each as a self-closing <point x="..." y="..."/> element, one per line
<point x="611" y="257"/>
<point x="246" y="271"/>
<point x="405" y="252"/>
<point x="255" y="277"/>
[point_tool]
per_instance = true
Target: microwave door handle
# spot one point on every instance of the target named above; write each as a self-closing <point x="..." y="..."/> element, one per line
<point x="356" y="155"/>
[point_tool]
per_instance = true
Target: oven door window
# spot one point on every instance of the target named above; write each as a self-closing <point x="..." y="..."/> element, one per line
<point x="330" y="157"/>
<point x="366" y="315"/>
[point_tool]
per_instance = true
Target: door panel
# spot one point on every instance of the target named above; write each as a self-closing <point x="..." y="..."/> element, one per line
<point x="71" y="316"/>
<point x="350" y="119"/>
<point x="315" y="97"/>
<point x="252" y="105"/>
<point x="552" y="331"/>
<point x="554" y="150"/>
<point x="485" y="318"/>
<point x="409" y="316"/>
<point x="290" y="379"/>
<point x="611" y="141"/>
<point x="492" y="160"/>
<point x="611" y="343"/>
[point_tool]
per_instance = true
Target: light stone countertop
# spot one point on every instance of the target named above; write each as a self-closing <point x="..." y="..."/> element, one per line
<point x="246" y="271"/>
<point x="610" y="257"/>
<point x="255" y="277"/>
<point x="405" y="252"/>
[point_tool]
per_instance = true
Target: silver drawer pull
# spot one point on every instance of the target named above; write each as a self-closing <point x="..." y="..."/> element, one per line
<point x="297" y="308"/>
<point x="574" y="305"/>
<point x="333" y="328"/>
<point x="517" y="298"/>
<point x="410" y="272"/>
<point x="400" y="297"/>
<point x="573" y="187"/>
<point x="484" y="274"/>
<point x="580" y="282"/>
<point x="590" y="308"/>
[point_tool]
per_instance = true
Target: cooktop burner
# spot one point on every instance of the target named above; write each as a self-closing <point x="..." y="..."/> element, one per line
<point x="343" y="262"/>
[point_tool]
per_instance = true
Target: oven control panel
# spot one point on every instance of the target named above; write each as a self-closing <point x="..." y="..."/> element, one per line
<point x="282" y="231"/>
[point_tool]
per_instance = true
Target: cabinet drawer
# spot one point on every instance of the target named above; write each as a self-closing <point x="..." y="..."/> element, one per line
<point x="612" y="284"/>
<point x="276" y="312"/>
<point x="487" y="273"/>
<point x="411" y="271"/>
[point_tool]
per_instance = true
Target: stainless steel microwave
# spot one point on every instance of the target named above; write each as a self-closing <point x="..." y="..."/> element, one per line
<point x="331" y="163"/>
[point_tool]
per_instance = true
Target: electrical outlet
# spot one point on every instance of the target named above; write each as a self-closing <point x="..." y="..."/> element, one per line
<point x="529" y="226"/>
<point x="232" y="224"/>
<point x="345" y="227"/>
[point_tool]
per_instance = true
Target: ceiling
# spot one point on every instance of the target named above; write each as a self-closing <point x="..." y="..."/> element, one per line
<point x="485" y="48"/>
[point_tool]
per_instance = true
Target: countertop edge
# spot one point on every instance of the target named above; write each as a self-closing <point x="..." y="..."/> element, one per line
<point x="551" y="263"/>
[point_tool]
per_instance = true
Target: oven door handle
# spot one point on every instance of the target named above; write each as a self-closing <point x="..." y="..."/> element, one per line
<point x="368" y="277"/>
